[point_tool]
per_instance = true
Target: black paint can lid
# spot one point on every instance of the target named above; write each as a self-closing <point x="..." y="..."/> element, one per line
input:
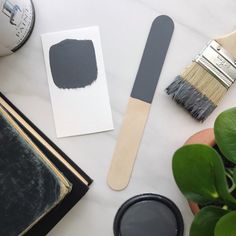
<point x="148" y="215"/>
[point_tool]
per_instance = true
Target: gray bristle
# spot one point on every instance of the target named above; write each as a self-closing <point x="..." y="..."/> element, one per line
<point x="197" y="104"/>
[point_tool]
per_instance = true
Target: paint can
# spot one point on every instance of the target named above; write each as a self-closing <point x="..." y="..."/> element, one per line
<point x="17" y="19"/>
<point x="148" y="214"/>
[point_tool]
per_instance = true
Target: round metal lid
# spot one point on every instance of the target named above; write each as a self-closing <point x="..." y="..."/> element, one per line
<point x="148" y="214"/>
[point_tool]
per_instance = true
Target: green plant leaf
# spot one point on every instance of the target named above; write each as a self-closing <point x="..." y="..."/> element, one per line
<point x="205" y="221"/>
<point x="226" y="225"/>
<point x="199" y="173"/>
<point x="225" y="133"/>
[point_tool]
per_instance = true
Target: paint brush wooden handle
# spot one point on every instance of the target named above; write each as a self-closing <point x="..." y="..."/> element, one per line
<point x="140" y="102"/>
<point x="228" y="42"/>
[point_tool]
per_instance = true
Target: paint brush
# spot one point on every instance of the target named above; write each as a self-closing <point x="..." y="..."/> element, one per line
<point x="203" y="84"/>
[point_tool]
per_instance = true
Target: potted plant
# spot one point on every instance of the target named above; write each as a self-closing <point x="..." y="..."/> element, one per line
<point x="206" y="175"/>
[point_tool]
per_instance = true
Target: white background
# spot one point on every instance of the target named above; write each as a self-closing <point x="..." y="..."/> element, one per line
<point x="124" y="26"/>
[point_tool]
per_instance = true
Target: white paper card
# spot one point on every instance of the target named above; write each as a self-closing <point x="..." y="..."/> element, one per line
<point x="77" y="81"/>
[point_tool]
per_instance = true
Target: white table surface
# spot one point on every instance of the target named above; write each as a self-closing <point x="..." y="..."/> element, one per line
<point x="124" y="26"/>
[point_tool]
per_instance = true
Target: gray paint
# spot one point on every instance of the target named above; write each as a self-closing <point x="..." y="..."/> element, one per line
<point x="186" y="95"/>
<point x="150" y="218"/>
<point x="153" y="59"/>
<point x="73" y="63"/>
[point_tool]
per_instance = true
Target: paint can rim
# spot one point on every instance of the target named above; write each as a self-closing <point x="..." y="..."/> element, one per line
<point x="148" y="197"/>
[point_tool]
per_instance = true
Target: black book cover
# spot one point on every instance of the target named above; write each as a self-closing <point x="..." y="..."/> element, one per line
<point x="57" y="191"/>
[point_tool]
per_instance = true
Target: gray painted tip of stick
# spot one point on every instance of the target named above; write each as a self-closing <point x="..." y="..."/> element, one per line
<point x="153" y="58"/>
<point x="164" y="19"/>
<point x="73" y="63"/>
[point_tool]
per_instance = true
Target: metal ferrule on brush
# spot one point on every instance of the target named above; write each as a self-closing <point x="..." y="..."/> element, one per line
<point x="219" y="62"/>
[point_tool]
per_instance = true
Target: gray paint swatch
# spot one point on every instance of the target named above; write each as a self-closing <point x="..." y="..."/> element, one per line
<point x="73" y="63"/>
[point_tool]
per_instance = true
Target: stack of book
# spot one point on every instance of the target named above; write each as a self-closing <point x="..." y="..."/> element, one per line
<point x="39" y="184"/>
